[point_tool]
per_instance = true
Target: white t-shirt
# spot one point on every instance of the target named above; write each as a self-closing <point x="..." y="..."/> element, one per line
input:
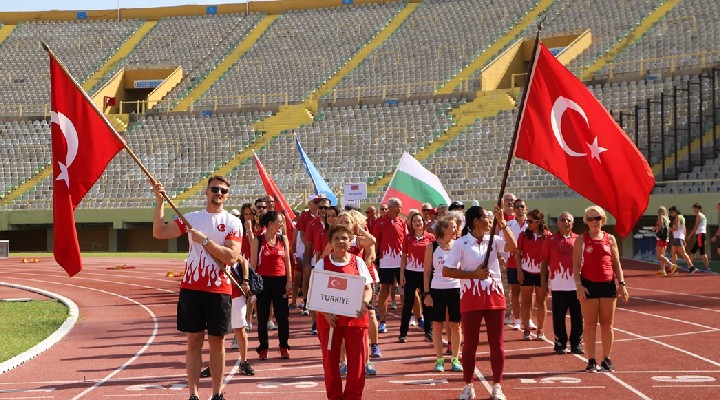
<point x="702" y="226"/>
<point x="362" y="267"/>
<point x="438" y="280"/>
<point x="679" y="233"/>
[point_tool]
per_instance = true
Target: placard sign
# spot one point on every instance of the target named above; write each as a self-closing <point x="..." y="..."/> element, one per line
<point x="355" y="191"/>
<point x="335" y="293"/>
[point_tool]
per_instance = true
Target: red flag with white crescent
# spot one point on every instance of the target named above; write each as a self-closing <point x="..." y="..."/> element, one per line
<point x="281" y="205"/>
<point x="82" y="147"/>
<point x="566" y="131"/>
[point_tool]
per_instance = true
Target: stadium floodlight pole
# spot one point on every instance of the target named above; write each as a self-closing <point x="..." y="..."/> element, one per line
<point x="127" y="148"/>
<point x="531" y="67"/>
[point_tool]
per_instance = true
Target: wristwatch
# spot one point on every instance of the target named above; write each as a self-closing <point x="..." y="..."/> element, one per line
<point x="621" y="283"/>
<point x="205" y="241"/>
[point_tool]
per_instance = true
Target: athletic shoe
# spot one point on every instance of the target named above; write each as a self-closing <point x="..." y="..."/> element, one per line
<point x="662" y="273"/>
<point x="526" y="335"/>
<point x="284" y="354"/>
<point x="540" y="336"/>
<point x="313" y="329"/>
<point x="439" y="365"/>
<point x="607" y="365"/>
<point x="262" y="354"/>
<point x="455" y="365"/>
<point x="592" y="366"/>
<point x="673" y="268"/>
<point x="517" y="326"/>
<point x="246" y="369"/>
<point x="497" y="393"/>
<point x="692" y="270"/>
<point x="343" y="369"/>
<point x="393" y="305"/>
<point x="532" y="325"/>
<point x="509" y="321"/>
<point x="382" y="328"/>
<point x="205" y="373"/>
<point x="421" y="323"/>
<point x="402" y="339"/>
<point x="292" y="307"/>
<point x="577" y="349"/>
<point x="375" y="351"/>
<point x="271" y="326"/>
<point x="468" y="392"/>
<point x="234" y="344"/>
<point x="428" y="337"/>
<point x="249" y="326"/>
<point x="305" y="312"/>
<point x="193" y="397"/>
<point x="560" y="348"/>
<point x="412" y="321"/>
<point x="370" y="369"/>
<point x="218" y="396"/>
<point x="449" y="349"/>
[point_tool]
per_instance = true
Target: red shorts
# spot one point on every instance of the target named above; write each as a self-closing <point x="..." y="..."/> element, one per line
<point x="661" y="243"/>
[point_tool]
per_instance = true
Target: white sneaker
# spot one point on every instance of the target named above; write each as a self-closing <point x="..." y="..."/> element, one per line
<point x="234" y="344"/>
<point x="518" y="325"/>
<point x="412" y="321"/>
<point x="271" y="326"/>
<point x="532" y="325"/>
<point x="509" y="321"/>
<point x="468" y="392"/>
<point x="497" y="393"/>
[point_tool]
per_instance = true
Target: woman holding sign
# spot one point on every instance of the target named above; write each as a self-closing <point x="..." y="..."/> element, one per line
<point x="481" y="292"/>
<point x="351" y="329"/>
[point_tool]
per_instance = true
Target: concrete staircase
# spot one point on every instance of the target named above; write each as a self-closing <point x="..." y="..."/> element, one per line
<point x="487" y="104"/>
<point x="232" y="58"/>
<point x="27" y="185"/>
<point x="629" y="39"/>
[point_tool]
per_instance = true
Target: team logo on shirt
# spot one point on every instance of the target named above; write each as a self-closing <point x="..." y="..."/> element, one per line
<point x="589" y="249"/>
<point x="221" y="227"/>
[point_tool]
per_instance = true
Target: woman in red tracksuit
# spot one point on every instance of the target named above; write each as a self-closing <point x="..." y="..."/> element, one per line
<point x="352" y="330"/>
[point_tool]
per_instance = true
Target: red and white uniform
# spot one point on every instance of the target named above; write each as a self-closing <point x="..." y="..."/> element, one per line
<point x="414" y="247"/>
<point x="516" y="229"/>
<point x="596" y="263"/>
<point x="438" y="280"/>
<point x="316" y="236"/>
<point x="475" y="294"/>
<point x="201" y="272"/>
<point x="354" y="249"/>
<point x="271" y="260"/>
<point x="557" y="250"/>
<point x="531" y="251"/>
<point x="371" y="223"/>
<point x="390" y="234"/>
<point x="303" y="221"/>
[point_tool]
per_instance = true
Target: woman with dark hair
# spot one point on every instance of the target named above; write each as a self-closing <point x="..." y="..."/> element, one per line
<point x="596" y="266"/>
<point x="251" y="223"/>
<point x="481" y="292"/>
<point x="529" y="257"/>
<point x="411" y="273"/>
<point x="270" y="257"/>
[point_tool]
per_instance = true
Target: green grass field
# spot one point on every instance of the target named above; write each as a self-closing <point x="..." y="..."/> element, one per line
<point x="24" y="324"/>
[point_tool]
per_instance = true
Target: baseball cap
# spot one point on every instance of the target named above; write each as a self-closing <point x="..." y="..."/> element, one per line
<point x="316" y="197"/>
<point x="456" y="205"/>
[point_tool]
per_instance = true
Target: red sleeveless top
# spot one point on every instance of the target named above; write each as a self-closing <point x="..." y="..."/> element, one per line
<point x="596" y="260"/>
<point x="351" y="269"/>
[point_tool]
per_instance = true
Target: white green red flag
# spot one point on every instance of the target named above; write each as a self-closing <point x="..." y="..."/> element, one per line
<point x="413" y="184"/>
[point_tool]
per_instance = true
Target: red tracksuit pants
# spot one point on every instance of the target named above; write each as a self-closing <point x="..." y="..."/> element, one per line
<point x="471" y="321"/>
<point x="356" y="348"/>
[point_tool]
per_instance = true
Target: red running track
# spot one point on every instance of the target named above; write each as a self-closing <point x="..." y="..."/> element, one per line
<point x="125" y="345"/>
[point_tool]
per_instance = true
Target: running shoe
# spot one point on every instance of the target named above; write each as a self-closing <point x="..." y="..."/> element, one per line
<point x="193" y="397"/>
<point x="249" y="327"/>
<point x="205" y="373"/>
<point x="428" y="337"/>
<point x="271" y="326"/>
<point x="218" y="396"/>
<point x="246" y="369"/>
<point x="382" y="328"/>
<point x="234" y="344"/>
<point x="560" y="348"/>
<point x="370" y="369"/>
<point x="455" y="365"/>
<point x="439" y="365"/>
<point x="577" y="349"/>
<point x="262" y="354"/>
<point x="673" y="268"/>
<point x="517" y="326"/>
<point x="284" y="354"/>
<point x="468" y="392"/>
<point x="509" y="321"/>
<point x="343" y="369"/>
<point x="692" y="270"/>
<point x="305" y="312"/>
<point x="412" y="321"/>
<point x="375" y="351"/>
<point x="313" y="329"/>
<point x="532" y="325"/>
<point x="421" y="323"/>
<point x="607" y="365"/>
<point x="526" y="335"/>
<point x="662" y="273"/>
<point x="497" y="393"/>
<point x="540" y="335"/>
<point x="393" y="305"/>
<point x="592" y="366"/>
<point x="402" y="339"/>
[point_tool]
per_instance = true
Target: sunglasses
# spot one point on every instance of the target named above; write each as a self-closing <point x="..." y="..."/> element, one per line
<point x="261" y="207"/>
<point x="565" y="220"/>
<point x="383" y="209"/>
<point x="323" y="207"/>
<point x="425" y="210"/>
<point x="597" y="218"/>
<point x="519" y="207"/>
<point x="532" y="221"/>
<point x="216" y="189"/>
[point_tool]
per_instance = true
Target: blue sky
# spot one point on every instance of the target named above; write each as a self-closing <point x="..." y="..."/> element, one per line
<point x="46" y="5"/>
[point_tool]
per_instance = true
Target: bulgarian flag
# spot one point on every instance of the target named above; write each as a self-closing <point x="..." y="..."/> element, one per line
<point x="413" y="184"/>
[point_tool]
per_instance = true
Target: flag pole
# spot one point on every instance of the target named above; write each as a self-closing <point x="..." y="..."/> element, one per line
<point x="533" y="59"/>
<point x="127" y="148"/>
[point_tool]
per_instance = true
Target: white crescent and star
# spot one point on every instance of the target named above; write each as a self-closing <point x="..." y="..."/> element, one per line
<point x="71" y="139"/>
<point x="334" y="283"/>
<point x="561" y="105"/>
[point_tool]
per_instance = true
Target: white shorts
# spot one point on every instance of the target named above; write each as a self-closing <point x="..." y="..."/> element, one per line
<point x="299" y="248"/>
<point x="238" y="313"/>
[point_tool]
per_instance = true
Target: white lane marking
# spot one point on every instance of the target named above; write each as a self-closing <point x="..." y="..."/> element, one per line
<point x="667" y="318"/>
<point x="668" y="336"/>
<point x="50" y="341"/>
<point x="558" y="387"/>
<point x="677" y="304"/>
<point x="685" y="386"/>
<point x="691" y="354"/>
<point x="678" y="293"/>
<point x="483" y="380"/>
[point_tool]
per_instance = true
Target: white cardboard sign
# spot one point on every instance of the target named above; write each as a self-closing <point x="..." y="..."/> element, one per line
<point x="335" y="293"/>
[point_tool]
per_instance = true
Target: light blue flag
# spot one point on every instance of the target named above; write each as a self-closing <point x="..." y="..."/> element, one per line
<point x="319" y="184"/>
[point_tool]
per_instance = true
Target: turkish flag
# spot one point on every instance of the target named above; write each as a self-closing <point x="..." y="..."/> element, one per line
<point x="337" y="283"/>
<point x="566" y="131"/>
<point x="82" y="146"/>
<point x="281" y="205"/>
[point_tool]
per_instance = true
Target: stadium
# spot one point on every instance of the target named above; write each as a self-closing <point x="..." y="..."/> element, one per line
<point x="197" y="90"/>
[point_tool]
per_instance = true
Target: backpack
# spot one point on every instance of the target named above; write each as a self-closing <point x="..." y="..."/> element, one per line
<point x="662" y="234"/>
<point x="253" y="279"/>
